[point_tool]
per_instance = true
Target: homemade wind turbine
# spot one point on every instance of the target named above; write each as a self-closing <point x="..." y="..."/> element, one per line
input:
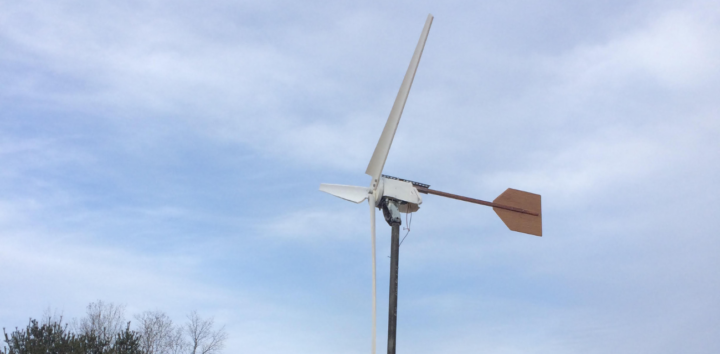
<point x="519" y="210"/>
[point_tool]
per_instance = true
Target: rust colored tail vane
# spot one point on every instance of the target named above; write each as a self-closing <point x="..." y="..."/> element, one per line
<point x="520" y="222"/>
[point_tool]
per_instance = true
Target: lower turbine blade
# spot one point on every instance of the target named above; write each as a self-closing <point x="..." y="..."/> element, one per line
<point x="371" y="202"/>
<point x="354" y="194"/>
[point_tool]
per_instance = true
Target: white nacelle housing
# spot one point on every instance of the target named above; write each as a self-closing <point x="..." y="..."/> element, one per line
<point x="399" y="190"/>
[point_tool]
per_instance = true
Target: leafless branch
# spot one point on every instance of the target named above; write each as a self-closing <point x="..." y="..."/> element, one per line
<point x="158" y="335"/>
<point x="105" y="320"/>
<point x="203" y="340"/>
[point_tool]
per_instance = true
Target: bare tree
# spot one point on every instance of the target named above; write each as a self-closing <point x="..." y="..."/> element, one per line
<point x="50" y="316"/>
<point x="203" y="339"/>
<point x="158" y="335"/>
<point x="104" y="320"/>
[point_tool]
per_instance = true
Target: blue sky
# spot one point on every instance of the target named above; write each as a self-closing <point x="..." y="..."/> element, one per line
<point x="167" y="155"/>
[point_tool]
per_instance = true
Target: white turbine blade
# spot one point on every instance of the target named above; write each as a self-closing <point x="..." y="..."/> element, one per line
<point x="371" y="202"/>
<point x="377" y="162"/>
<point x="354" y="194"/>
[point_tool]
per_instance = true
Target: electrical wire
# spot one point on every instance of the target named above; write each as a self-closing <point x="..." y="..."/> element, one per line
<point x="407" y="222"/>
<point x="406" y="228"/>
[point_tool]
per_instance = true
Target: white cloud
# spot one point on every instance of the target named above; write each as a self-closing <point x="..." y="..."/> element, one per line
<point x="631" y="115"/>
<point x="313" y="226"/>
<point x="675" y="50"/>
<point x="581" y="171"/>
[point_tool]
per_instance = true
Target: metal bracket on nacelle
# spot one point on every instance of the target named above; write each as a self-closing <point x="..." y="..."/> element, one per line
<point x="391" y="211"/>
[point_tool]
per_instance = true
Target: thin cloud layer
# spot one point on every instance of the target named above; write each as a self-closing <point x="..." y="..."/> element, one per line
<point x="167" y="156"/>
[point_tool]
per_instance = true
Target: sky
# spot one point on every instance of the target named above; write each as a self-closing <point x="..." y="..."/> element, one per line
<point x="166" y="155"/>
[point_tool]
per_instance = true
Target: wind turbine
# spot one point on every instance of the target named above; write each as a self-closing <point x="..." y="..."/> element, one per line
<point x="520" y="211"/>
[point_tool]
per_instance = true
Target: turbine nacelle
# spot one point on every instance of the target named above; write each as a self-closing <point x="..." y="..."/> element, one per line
<point x="401" y="191"/>
<point x="397" y="189"/>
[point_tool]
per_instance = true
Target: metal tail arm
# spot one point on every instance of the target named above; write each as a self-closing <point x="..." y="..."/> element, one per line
<point x="472" y="200"/>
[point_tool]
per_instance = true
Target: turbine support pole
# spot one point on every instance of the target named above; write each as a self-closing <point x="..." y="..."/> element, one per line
<point x="392" y="216"/>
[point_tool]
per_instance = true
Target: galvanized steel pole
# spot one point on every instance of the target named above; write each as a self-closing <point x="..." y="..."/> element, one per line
<point x="392" y="311"/>
<point x="392" y="216"/>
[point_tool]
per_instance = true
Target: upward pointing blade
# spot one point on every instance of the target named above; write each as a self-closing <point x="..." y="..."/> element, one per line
<point x="377" y="162"/>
